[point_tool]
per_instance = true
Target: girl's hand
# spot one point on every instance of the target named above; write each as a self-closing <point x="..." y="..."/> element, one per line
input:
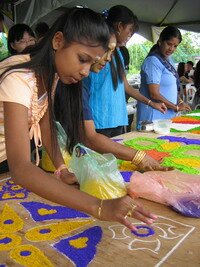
<point x="68" y="178"/>
<point x="159" y="106"/>
<point x="184" y="106"/>
<point x="150" y="164"/>
<point x="123" y="209"/>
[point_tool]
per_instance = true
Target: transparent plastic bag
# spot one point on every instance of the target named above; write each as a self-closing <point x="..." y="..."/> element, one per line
<point x="46" y="162"/>
<point x="176" y="189"/>
<point x="97" y="174"/>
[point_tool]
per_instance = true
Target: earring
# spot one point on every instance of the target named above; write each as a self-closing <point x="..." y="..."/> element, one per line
<point x="118" y="33"/>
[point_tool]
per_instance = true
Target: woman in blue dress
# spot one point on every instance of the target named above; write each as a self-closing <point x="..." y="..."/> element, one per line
<point x="159" y="79"/>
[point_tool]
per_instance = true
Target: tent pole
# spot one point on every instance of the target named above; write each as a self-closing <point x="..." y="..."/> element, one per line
<point x="173" y="5"/>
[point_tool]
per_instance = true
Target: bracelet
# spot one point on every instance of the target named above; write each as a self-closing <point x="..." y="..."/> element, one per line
<point x="149" y="102"/>
<point x="177" y="108"/>
<point x="60" y="168"/>
<point x="100" y="209"/>
<point x="138" y="157"/>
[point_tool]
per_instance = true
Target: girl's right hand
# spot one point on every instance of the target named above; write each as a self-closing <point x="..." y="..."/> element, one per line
<point x="123" y="209"/>
<point x="150" y="164"/>
<point x="184" y="106"/>
<point x="159" y="106"/>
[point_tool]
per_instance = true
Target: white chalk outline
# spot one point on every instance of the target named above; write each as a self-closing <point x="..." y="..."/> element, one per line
<point x="173" y="248"/>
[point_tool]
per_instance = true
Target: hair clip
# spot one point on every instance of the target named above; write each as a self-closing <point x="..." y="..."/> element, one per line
<point x="105" y="12"/>
<point x="82" y="6"/>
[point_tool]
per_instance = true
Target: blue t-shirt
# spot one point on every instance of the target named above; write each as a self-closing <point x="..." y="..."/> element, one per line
<point x="108" y="105"/>
<point x="154" y="72"/>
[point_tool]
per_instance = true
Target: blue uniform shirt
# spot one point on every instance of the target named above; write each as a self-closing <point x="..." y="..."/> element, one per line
<point x="107" y="104"/>
<point x="153" y="71"/>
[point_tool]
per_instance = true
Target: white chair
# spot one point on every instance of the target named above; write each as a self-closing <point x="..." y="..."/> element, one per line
<point x="131" y="109"/>
<point x="197" y="106"/>
<point x="190" y="92"/>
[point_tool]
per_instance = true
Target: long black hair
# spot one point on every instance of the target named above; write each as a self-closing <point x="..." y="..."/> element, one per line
<point x="119" y="14"/>
<point x="80" y="25"/>
<point x="68" y="111"/>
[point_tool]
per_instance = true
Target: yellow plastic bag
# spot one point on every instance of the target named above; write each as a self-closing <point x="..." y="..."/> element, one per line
<point x="97" y="174"/>
<point x="46" y="162"/>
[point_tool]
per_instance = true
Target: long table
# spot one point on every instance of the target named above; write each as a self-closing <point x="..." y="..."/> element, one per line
<point x="37" y="232"/>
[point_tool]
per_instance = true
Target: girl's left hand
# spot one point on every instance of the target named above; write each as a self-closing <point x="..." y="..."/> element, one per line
<point x="150" y="164"/>
<point x="159" y="106"/>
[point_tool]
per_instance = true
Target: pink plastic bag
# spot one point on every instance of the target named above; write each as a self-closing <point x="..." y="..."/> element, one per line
<point x="179" y="190"/>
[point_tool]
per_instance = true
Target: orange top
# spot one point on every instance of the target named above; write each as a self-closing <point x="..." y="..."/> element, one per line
<point x="20" y="86"/>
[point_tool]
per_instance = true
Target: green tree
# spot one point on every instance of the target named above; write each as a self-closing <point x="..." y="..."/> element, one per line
<point x="187" y="49"/>
<point x="138" y="52"/>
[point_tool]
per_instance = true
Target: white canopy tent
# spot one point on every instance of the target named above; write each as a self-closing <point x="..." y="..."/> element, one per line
<point x="182" y="13"/>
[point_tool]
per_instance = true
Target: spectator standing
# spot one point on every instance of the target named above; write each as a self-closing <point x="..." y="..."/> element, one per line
<point x="41" y="29"/>
<point x="182" y="73"/>
<point x="196" y="100"/>
<point x="190" y="70"/>
<point x="19" y="37"/>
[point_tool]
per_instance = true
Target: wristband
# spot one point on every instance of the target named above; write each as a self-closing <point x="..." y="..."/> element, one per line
<point x="60" y="168"/>
<point x="149" y="102"/>
<point x="100" y="209"/>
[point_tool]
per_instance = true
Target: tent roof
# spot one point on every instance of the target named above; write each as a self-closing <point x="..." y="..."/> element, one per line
<point x="182" y="13"/>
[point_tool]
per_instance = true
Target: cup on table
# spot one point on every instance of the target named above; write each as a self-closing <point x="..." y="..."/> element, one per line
<point x="162" y="126"/>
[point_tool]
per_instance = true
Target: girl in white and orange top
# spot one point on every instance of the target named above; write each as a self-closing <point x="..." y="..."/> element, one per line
<point x="26" y="89"/>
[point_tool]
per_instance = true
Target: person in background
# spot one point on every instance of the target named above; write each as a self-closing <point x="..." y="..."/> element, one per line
<point x="91" y="138"/>
<point x="108" y="87"/>
<point x="27" y="86"/>
<point x="182" y="70"/>
<point x="196" y="100"/>
<point x="20" y="36"/>
<point x="41" y="29"/>
<point x="190" y="70"/>
<point x="3" y="39"/>
<point x="159" y="79"/>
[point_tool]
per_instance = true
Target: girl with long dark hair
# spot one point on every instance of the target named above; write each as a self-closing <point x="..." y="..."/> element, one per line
<point x="27" y="84"/>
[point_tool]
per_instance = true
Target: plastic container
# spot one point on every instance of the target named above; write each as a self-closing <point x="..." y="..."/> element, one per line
<point x="162" y="126"/>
